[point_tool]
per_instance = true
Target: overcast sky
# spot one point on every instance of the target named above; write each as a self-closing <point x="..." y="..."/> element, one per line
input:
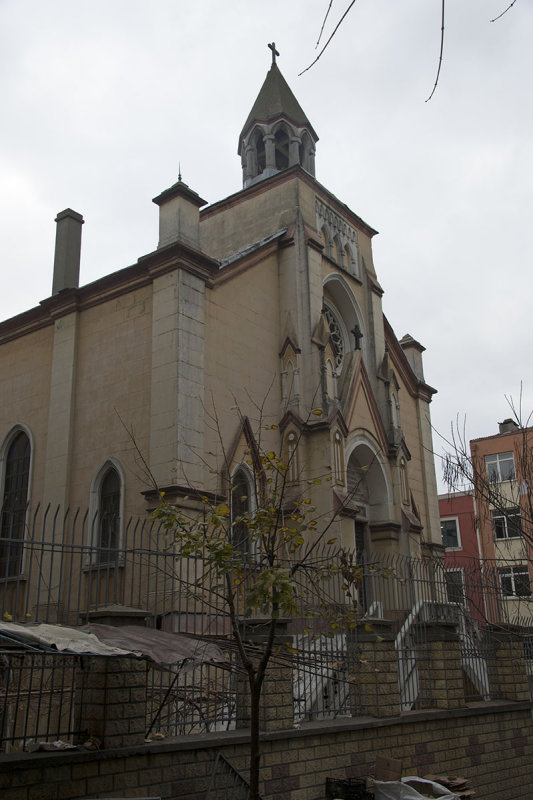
<point x="102" y="99"/>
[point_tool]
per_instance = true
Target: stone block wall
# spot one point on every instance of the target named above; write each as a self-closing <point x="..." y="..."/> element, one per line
<point x="114" y="700"/>
<point x="491" y="745"/>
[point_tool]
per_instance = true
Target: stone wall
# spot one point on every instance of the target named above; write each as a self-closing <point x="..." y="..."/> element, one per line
<point x="491" y="745"/>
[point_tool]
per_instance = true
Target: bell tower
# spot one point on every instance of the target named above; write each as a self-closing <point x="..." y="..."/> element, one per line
<point x="277" y="133"/>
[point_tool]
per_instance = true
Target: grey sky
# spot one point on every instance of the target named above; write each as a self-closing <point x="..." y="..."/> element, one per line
<point x="101" y="100"/>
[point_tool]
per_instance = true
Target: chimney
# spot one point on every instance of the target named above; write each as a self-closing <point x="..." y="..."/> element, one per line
<point x="179" y="215"/>
<point x="68" y="250"/>
<point x="508" y="426"/>
<point x="413" y="351"/>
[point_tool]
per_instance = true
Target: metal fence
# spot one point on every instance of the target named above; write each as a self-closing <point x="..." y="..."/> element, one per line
<point x="64" y="578"/>
<point x="40" y="697"/>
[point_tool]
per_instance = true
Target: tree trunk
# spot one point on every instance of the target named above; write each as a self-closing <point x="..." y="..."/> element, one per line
<point x="255" y="754"/>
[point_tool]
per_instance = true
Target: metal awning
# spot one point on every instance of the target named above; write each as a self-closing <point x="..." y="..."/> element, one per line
<point x="160" y="647"/>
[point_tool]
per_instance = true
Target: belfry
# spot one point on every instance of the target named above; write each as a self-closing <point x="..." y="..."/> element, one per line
<point x="277" y="133"/>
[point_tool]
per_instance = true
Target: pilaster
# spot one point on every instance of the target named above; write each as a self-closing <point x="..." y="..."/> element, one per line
<point x="373" y="669"/>
<point x="113" y="701"/>
<point x="438" y="660"/>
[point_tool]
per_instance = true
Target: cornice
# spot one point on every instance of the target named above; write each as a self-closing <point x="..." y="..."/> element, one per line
<point x="123" y="281"/>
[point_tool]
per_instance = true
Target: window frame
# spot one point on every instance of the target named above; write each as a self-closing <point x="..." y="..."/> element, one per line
<point x="512" y="573"/>
<point x="248" y="546"/>
<point x="505" y="515"/>
<point x="493" y="466"/>
<point x="7" y="443"/>
<point x="95" y="516"/>
<point x="455" y="571"/>
<point x="458" y="546"/>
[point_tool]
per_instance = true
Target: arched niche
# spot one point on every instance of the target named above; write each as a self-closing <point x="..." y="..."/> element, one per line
<point x="367" y="481"/>
<point x="282" y="146"/>
<point x="338" y="294"/>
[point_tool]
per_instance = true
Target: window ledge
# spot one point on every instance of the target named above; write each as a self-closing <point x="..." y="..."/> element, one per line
<point x="103" y="566"/>
<point x="14" y="578"/>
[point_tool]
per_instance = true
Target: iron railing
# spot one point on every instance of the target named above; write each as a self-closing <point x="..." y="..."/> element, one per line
<point x="64" y="577"/>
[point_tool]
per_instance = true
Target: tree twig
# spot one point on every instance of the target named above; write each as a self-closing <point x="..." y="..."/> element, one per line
<point x="440" y="55"/>
<point x="323" y="24"/>
<point x="503" y="12"/>
<point x="337" y="26"/>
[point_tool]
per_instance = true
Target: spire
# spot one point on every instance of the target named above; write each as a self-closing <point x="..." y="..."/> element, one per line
<point x="277" y="133"/>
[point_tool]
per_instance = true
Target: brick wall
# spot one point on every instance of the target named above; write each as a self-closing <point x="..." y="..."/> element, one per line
<point x="491" y="744"/>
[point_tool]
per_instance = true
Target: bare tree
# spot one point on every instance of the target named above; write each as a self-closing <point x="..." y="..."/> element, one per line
<point x="261" y="555"/>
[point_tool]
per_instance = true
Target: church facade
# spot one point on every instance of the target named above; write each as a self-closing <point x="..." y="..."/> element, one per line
<point x="258" y="315"/>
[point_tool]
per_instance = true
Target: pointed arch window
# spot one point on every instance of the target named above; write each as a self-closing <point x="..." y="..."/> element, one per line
<point x="404" y="481"/>
<point x="14" y="505"/>
<point x="260" y="153"/>
<point x="281" y="141"/>
<point x="293" y="468"/>
<point x="338" y="458"/>
<point x="337" y="334"/>
<point x="241" y="505"/>
<point x="106" y="514"/>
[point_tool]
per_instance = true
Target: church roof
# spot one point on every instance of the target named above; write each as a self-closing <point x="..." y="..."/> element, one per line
<point x="276" y="100"/>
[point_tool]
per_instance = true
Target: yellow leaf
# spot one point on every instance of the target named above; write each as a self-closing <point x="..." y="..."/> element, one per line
<point x="7" y="616"/>
<point x="222" y="509"/>
<point x="331" y="541"/>
<point x="317" y="412"/>
<point x="368" y="628"/>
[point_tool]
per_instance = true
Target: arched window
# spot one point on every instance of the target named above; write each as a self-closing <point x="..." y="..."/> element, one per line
<point x="14" y="504"/>
<point x="241" y="505"/>
<point x="339" y="252"/>
<point x="108" y="539"/>
<point x="281" y="141"/>
<point x="338" y="458"/>
<point x="338" y="335"/>
<point x="343" y="313"/>
<point x="404" y="481"/>
<point x="106" y="509"/>
<point x="348" y="258"/>
<point x="328" y="246"/>
<point x="292" y="457"/>
<point x="260" y="152"/>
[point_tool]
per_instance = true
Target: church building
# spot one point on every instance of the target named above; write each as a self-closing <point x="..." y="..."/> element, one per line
<point x="259" y="315"/>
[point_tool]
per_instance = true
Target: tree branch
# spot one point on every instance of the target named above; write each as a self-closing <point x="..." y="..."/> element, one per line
<point x="440" y="55"/>
<point x="337" y="26"/>
<point x="503" y="12"/>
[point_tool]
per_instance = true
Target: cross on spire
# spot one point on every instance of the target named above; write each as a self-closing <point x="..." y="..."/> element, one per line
<point x="275" y="53"/>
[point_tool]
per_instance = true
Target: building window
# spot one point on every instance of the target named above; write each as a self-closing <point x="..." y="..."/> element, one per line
<point x="241" y="505"/>
<point x="455" y="585"/>
<point x="336" y="335"/>
<point x="404" y="482"/>
<point x="450" y="533"/>
<point x="292" y="458"/>
<point x="338" y="458"/>
<point x="108" y="518"/>
<point x="514" y="581"/>
<point x="500" y="467"/>
<point x="14" y="504"/>
<point x="506" y="524"/>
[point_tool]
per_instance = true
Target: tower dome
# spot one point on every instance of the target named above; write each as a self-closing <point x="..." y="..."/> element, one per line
<point x="277" y="133"/>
